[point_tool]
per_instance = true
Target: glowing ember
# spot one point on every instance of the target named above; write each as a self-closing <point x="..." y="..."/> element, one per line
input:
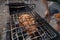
<point x="28" y="22"/>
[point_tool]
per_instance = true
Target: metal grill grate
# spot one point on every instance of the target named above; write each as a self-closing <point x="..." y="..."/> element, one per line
<point x="38" y="29"/>
<point x="19" y="33"/>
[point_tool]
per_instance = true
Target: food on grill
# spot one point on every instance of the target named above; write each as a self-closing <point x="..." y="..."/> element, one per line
<point x="28" y="22"/>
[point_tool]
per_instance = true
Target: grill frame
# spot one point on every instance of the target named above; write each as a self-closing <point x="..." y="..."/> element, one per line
<point x="37" y="17"/>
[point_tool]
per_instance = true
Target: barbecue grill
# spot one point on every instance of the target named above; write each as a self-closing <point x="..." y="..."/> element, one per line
<point x="26" y="24"/>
